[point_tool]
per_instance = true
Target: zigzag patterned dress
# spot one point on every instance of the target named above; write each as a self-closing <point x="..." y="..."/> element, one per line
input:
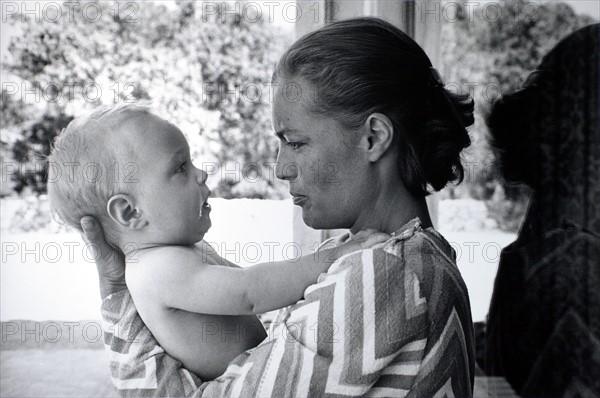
<point x="393" y="320"/>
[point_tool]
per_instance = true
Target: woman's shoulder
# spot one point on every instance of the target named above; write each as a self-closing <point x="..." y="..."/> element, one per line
<point x="413" y="243"/>
<point x="425" y="264"/>
<point x="425" y="255"/>
<point x="409" y="246"/>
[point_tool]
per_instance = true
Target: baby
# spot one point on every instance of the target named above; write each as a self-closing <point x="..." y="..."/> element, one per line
<point x="132" y="171"/>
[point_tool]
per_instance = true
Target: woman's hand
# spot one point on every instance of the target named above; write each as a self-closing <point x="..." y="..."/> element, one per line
<point x="363" y="240"/>
<point x="109" y="262"/>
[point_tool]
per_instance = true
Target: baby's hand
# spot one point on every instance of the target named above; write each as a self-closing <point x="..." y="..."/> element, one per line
<point x="363" y="240"/>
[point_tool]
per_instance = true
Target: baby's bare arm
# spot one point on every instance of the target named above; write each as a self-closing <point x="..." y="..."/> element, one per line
<point x="183" y="280"/>
<point x="179" y="278"/>
<point x="216" y="259"/>
<point x="204" y="343"/>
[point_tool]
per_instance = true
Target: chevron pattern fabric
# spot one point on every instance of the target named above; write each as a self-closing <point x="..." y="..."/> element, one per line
<point x="389" y="321"/>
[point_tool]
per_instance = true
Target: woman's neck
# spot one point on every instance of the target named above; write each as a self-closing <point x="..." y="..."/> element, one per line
<point x="392" y="209"/>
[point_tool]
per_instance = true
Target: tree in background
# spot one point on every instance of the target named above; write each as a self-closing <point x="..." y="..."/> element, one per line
<point x="489" y="49"/>
<point x="207" y="68"/>
<point x="15" y="113"/>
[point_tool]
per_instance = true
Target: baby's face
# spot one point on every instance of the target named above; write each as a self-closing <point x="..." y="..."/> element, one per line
<point x="172" y="194"/>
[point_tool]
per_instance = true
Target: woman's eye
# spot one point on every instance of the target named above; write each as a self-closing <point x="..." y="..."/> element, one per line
<point x="294" y="145"/>
<point x="182" y="168"/>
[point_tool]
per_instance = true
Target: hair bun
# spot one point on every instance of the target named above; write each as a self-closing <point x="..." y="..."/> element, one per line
<point x="445" y="136"/>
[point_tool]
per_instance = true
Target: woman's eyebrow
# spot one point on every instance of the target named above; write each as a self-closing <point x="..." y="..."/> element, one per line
<point x="284" y="131"/>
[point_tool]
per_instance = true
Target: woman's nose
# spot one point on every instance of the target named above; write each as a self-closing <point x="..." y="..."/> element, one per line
<point x="285" y="169"/>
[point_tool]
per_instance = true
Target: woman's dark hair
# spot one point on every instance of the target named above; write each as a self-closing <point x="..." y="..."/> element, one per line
<point x="365" y="65"/>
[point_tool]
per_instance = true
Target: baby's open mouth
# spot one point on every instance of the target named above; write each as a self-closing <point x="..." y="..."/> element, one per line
<point x="205" y="206"/>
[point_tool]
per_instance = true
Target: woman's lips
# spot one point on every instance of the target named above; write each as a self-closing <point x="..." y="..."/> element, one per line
<point x="299" y="199"/>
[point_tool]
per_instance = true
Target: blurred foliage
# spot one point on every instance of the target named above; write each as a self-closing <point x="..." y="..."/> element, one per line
<point x="14" y="111"/>
<point x="31" y="151"/>
<point x="209" y="72"/>
<point x="489" y="49"/>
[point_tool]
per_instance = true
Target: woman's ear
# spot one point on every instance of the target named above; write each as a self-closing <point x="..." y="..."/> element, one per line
<point x="121" y="210"/>
<point x="379" y="136"/>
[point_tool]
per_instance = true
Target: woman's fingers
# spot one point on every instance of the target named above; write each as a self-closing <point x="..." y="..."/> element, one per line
<point x="109" y="262"/>
<point x="365" y="233"/>
<point x="369" y="237"/>
<point x="375" y="238"/>
<point x="93" y="235"/>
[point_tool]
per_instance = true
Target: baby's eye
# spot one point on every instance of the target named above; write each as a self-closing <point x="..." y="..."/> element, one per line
<point x="182" y="168"/>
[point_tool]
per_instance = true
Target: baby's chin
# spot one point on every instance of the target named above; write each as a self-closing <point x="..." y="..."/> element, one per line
<point x="175" y="241"/>
<point x="191" y="241"/>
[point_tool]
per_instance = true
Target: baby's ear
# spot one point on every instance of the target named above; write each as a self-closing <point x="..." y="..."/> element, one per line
<point x="121" y="210"/>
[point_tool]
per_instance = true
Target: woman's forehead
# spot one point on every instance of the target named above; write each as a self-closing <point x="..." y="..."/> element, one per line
<point x="292" y="109"/>
<point x="295" y="91"/>
<point x="294" y="119"/>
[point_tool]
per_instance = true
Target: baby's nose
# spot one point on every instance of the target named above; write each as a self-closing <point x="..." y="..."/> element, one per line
<point x="201" y="176"/>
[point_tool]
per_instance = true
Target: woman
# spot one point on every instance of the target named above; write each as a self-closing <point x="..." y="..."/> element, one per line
<point x="544" y="322"/>
<point x="358" y="98"/>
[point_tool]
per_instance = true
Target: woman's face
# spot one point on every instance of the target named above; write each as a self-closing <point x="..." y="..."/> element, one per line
<point x="328" y="173"/>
